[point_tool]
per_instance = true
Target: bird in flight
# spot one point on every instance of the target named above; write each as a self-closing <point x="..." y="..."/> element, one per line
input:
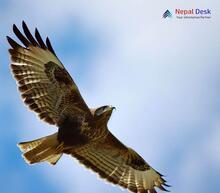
<point x="48" y="89"/>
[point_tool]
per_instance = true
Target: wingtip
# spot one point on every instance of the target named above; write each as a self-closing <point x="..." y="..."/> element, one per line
<point x="167" y="185"/>
<point x="23" y="24"/>
<point x="49" y="46"/>
<point x="47" y="41"/>
<point x="163" y="188"/>
<point x="163" y="183"/>
<point x="36" y="31"/>
<point x="8" y="38"/>
<point x="15" y="28"/>
<point x="12" y="43"/>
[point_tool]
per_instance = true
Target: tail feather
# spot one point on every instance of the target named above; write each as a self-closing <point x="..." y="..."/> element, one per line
<point x="53" y="159"/>
<point x="29" y="145"/>
<point x="43" y="149"/>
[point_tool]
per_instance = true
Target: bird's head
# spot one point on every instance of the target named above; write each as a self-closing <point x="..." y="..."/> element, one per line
<point x="103" y="113"/>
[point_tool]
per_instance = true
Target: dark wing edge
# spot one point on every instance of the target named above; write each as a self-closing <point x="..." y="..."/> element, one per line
<point x="29" y="39"/>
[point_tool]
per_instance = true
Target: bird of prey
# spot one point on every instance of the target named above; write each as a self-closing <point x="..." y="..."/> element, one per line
<point x="48" y="89"/>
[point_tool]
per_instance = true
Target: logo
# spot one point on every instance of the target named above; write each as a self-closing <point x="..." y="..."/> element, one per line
<point x="193" y="13"/>
<point x="167" y="13"/>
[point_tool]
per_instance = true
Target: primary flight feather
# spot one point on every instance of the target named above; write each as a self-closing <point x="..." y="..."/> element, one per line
<point x="48" y="89"/>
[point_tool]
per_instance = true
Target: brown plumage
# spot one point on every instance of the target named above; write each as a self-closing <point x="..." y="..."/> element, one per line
<point x="48" y="89"/>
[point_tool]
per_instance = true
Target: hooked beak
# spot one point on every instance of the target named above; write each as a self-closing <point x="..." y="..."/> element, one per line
<point x="112" y="108"/>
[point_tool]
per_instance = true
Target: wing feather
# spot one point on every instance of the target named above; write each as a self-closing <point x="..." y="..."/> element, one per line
<point x="20" y="36"/>
<point x="29" y="35"/>
<point x="119" y="165"/>
<point x="49" y="46"/>
<point x="39" y="39"/>
<point x="45" y="85"/>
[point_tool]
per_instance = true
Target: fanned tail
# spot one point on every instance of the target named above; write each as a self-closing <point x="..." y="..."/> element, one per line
<point x="44" y="149"/>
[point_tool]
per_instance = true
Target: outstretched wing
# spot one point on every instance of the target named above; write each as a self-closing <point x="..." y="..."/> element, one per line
<point x="45" y="85"/>
<point x="120" y="165"/>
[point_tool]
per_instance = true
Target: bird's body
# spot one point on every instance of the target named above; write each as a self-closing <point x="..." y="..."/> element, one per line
<point x="48" y="89"/>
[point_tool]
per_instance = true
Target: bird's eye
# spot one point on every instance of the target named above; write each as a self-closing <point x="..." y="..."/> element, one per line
<point x="100" y="110"/>
<point x="104" y="107"/>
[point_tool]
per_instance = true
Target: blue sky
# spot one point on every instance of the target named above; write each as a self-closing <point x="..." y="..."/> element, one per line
<point x="161" y="74"/>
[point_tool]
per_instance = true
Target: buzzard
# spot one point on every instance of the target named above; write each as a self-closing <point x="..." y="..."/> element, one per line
<point x="48" y="89"/>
